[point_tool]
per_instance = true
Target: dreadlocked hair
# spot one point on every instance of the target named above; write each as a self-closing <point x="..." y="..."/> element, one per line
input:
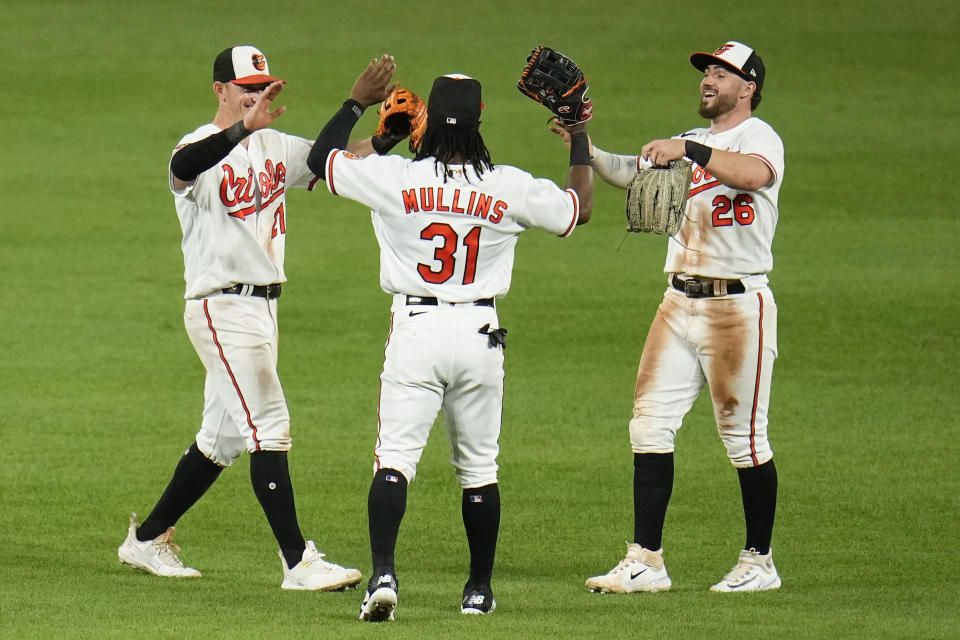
<point x="448" y="146"/>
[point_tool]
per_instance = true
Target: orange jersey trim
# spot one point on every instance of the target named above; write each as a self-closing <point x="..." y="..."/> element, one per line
<point x="576" y="212"/>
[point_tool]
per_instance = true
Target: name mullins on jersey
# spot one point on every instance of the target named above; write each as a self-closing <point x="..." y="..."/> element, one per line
<point x="432" y="199"/>
<point x="237" y="190"/>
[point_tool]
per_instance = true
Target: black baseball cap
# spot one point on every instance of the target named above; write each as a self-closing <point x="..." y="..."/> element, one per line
<point x="242" y="65"/>
<point x="455" y="102"/>
<point x="737" y="57"/>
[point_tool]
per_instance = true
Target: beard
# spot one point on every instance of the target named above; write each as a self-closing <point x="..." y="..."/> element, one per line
<point x="721" y="104"/>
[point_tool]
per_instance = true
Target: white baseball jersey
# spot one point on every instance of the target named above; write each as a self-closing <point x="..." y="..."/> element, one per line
<point x="233" y="216"/>
<point x="727" y="342"/>
<point x="728" y="233"/>
<point x="451" y="239"/>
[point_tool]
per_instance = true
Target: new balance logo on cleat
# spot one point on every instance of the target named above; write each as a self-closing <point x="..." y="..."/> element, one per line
<point x="380" y="601"/>
<point x="477" y="600"/>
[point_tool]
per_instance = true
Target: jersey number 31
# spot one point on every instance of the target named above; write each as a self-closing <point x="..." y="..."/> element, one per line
<point x="444" y="254"/>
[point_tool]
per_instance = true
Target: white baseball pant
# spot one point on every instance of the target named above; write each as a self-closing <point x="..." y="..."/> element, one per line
<point x="436" y="358"/>
<point x="244" y="408"/>
<point x="729" y="343"/>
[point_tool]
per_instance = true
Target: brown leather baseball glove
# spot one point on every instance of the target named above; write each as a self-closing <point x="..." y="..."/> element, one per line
<point x="402" y="114"/>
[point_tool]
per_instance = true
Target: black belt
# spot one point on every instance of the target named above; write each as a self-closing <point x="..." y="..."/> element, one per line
<point x="269" y="291"/>
<point x="707" y="287"/>
<point x="433" y="302"/>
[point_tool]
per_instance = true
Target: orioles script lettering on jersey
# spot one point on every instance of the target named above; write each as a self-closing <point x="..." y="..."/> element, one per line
<point x="433" y="199"/>
<point x="702" y="180"/>
<point x="239" y="190"/>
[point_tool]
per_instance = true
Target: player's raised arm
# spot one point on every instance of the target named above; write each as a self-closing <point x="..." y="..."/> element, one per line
<point x="371" y="87"/>
<point x="735" y="170"/>
<point x="612" y="168"/>
<point x="558" y="83"/>
<point x="580" y="175"/>
<point x="242" y="110"/>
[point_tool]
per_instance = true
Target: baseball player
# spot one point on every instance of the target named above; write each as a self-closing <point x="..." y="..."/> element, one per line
<point x="447" y="223"/>
<point x="717" y="323"/>
<point x="229" y="180"/>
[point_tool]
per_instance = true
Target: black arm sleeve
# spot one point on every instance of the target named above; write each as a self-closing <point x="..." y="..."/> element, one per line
<point x="334" y="135"/>
<point x="195" y="158"/>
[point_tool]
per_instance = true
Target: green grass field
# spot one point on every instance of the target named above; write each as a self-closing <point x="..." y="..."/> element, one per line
<point x="101" y="391"/>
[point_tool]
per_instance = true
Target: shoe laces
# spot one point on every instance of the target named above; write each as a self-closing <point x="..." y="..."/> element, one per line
<point x="316" y="559"/>
<point x="624" y="564"/>
<point x="166" y="549"/>
<point x="744" y="567"/>
<point x="629" y="560"/>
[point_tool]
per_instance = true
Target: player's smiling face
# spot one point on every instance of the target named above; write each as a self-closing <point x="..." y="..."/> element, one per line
<point x="237" y="100"/>
<point x="720" y="90"/>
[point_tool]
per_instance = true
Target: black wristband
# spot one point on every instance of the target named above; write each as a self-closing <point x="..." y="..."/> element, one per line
<point x="334" y="135"/>
<point x="579" y="149"/>
<point x="699" y="153"/>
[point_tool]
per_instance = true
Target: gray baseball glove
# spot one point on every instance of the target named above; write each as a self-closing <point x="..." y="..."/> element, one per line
<point x="657" y="198"/>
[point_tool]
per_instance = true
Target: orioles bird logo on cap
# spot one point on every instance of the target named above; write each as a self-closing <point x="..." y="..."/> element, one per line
<point x="722" y="49"/>
<point x="259" y="62"/>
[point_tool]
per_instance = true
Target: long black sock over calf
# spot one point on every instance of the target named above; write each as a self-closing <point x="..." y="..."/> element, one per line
<point x="270" y="476"/>
<point x="195" y="473"/>
<point x="386" y="504"/>
<point x="481" y="519"/>
<point x="652" y="486"/>
<point x="758" y="487"/>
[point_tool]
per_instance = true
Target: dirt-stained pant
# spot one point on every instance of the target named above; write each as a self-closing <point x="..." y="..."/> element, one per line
<point x="729" y="343"/>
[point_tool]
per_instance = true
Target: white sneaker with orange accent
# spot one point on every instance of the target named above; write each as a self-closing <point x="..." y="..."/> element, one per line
<point x="157" y="556"/>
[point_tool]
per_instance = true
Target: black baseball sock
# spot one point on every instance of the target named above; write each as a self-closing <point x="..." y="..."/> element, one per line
<point x="270" y="476"/>
<point x="481" y="519"/>
<point x="758" y="486"/>
<point x="652" y="486"/>
<point x="195" y="473"/>
<point x="386" y="504"/>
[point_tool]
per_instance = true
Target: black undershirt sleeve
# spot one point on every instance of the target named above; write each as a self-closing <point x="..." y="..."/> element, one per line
<point x="195" y="158"/>
<point x="334" y="135"/>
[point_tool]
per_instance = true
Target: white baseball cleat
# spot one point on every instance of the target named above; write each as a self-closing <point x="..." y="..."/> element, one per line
<point x="640" y="570"/>
<point x="157" y="556"/>
<point x="380" y="599"/>
<point x="313" y="573"/>
<point x="753" y="572"/>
